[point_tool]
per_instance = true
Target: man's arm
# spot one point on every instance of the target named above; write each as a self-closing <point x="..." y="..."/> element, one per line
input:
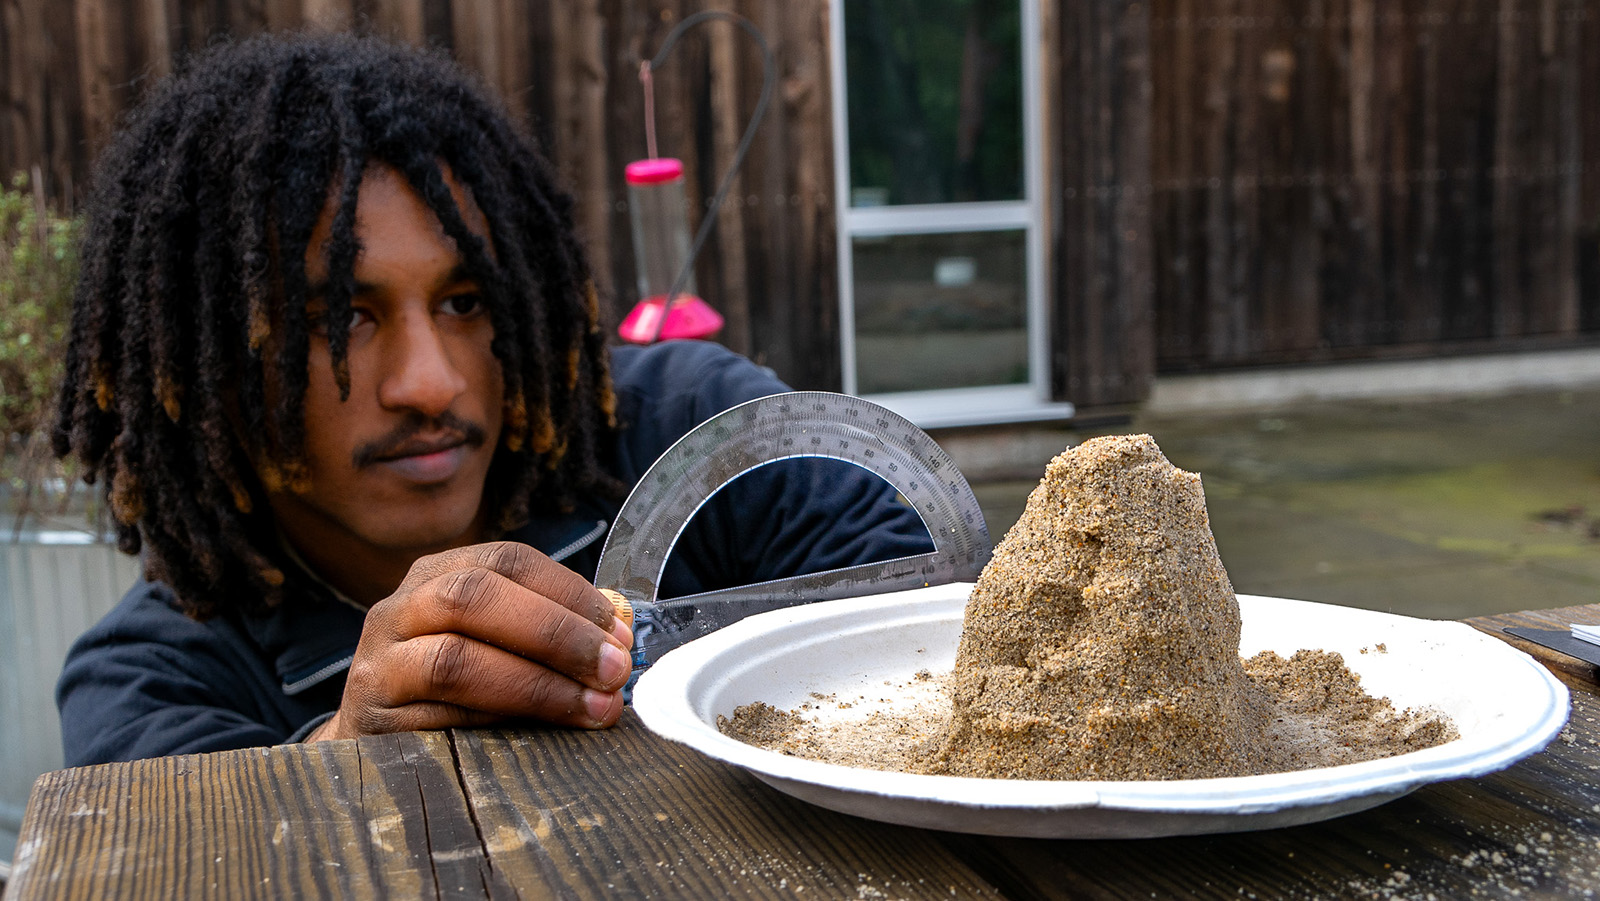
<point x="147" y="681"/>
<point x="467" y="640"/>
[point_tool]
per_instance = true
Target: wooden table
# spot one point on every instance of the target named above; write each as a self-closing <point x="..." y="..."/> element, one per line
<point x="536" y="813"/>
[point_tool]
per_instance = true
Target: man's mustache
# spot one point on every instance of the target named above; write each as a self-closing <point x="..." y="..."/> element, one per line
<point x="397" y="443"/>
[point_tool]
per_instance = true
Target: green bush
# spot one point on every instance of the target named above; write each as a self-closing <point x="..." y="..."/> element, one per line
<point x="38" y="267"/>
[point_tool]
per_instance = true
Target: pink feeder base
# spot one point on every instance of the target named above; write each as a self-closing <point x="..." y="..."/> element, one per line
<point x="689" y="317"/>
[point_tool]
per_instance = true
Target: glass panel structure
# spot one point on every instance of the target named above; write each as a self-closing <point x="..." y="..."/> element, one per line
<point x="934" y="94"/>
<point x="936" y="311"/>
<point x="940" y="244"/>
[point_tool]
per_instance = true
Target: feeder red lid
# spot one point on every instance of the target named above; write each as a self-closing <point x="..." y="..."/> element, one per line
<point x="653" y="171"/>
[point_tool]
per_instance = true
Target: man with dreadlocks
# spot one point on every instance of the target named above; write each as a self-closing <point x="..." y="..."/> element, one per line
<point x="336" y="358"/>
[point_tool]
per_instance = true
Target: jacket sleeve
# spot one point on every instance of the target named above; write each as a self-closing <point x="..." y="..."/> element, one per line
<point x="147" y="681"/>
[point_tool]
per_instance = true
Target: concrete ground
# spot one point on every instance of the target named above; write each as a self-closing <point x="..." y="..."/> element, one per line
<point x="1446" y="508"/>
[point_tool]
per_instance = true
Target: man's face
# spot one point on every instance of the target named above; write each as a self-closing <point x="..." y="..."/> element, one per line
<point x="398" y="469"/>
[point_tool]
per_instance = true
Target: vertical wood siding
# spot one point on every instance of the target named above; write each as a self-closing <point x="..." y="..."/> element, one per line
<point x="1364" y="177"/>
<point x="569" y="70"/>
<point x="1103" y="319"/>
<point x="1231" y="182"/>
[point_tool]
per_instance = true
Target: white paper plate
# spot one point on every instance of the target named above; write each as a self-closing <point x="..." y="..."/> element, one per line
<point x="1505" y="704"/>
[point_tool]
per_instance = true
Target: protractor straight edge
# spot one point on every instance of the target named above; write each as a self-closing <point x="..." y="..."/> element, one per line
<point x="766" y="430"/>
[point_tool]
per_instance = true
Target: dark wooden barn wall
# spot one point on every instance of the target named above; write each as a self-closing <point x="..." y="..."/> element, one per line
<point x="770" y="267"/>
<point x="1370" y="177"/>
<point x="1098" y="118"/>
<point x="1230" y="182"/>
<point x="570" y="70"/>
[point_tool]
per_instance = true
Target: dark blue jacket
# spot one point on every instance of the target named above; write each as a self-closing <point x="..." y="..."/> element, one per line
<point x="147" y="681"/>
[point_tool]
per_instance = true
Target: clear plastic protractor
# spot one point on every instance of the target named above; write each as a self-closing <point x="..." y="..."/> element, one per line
<point x="782" y="427"/>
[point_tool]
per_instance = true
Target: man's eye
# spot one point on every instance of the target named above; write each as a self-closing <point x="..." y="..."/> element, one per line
<point x="317" y="320"/>
<point x="463" y="304"/>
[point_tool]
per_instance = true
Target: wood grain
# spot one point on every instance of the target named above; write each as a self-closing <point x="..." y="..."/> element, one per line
<point x="1231" y="182"/>
<point x="558" y="814"/>
<point x="729" y="116"/>
<point x="622" y="813"/>
<point x="1102" y="336"/>
<point x="1580" y="675"/>
<point x="1361" y="179"/>
<point x="403" y="19"/>
<point x="382" y="816"/>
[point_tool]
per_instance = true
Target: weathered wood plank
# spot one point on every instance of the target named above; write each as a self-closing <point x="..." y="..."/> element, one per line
<point x="1224" y="322"/>
<point x="1465" y="225"/>
<point x="1401" y="98"/>
<point x="1299" y="326"/>
<point x="379" y="817"/>
<point x="282" y="14"/>
<point x="545" y="813"/>
<point x="419" y="772"/>
<point x="1510" y="70"/>
<point x="228" y="837"/>
<point x="1565" y="127"/>
<point x="578" y="124"/>
<point x="686" y="127"/>
<point x="1172" y="123"/>
<point x="154" y="32"/>
<point x="465" y="35"/>
<point x="1103" y="341"/>
<point x="1586" y="25"/>
<point x="1413" y="226"/>
<point x="730" y="110"/>
<point x="402" y="19"/>
<point x="329" y="15"/>
<point x="631" y="32"/>
<point x="513" y="37"/>
<point x="15" y="143"/>
<point x="795" y="325"/>
<point x="621" y="813"/>
<point x="53" y="99"/>
<point x="1577" y="673"/>
<point x="1361" y="303"/>
<point x="1527" y="830"/>
<point x="1241" y="283"/>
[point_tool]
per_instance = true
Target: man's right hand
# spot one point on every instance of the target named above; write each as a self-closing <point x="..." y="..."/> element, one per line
<point x="480" y="634"/>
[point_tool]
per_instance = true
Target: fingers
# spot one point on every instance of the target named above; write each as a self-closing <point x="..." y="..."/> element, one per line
<point x="488" y="607"/>
<point x="483" y="633"/>
<point x="445" y="680"/>
<point x="421" y="715"/>
<point x="528" y="568"/>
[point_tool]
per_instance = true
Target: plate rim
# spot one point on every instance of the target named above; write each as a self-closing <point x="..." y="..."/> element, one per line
<point x="663" y="703"/>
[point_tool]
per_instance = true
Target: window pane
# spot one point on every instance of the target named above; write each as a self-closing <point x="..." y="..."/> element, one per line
<point x="934" y="94"/>
<point x="940" y="311"/>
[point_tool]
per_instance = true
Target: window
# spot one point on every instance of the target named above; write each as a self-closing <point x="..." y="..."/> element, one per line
<point x="939" y="236"/>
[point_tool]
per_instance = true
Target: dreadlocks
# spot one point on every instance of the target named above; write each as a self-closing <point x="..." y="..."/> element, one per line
<point x="190" y="332"/>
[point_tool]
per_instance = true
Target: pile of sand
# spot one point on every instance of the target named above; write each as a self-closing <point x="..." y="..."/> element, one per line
<point x="1103" y="638"/>
<point x="1102" y="642"/>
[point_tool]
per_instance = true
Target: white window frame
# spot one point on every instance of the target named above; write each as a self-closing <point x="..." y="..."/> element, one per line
<point x="951" y="407"/>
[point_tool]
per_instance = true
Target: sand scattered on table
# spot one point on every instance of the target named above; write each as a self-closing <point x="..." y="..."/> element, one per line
<point x="1102" y="642"/>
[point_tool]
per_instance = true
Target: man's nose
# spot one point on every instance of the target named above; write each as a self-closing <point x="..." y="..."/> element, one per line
<point x="419" y="372"/>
